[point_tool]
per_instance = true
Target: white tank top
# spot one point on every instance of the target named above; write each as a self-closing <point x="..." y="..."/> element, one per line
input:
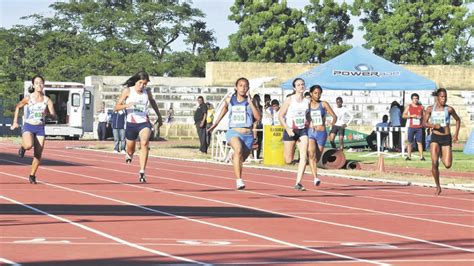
<point x="36" y="111"/>
<point x="137" y="113"/>
<point x="296" y="114"/>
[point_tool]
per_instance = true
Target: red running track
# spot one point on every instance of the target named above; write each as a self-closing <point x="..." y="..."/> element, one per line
<point x="89" y="208"/>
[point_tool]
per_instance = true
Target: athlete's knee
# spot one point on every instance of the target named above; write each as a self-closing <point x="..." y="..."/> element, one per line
<point x="28" y="146"/>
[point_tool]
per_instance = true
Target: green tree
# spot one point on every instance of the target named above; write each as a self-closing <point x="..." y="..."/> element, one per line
<point x="269" y="31"/>
<point x="330" y="29"/>
<point x="417" y="32"/>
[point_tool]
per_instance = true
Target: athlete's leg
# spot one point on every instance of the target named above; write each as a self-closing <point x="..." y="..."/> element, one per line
<point x="144" y="144"/>
<point x="237" y="156"/>
<point x="303" y="149"/>
<point x="312" y="157"/>
<point x="447" y="156"/>
<point x="39" y="145"/>
<point x="434" y="151"/>
<point x="289" y="151"/>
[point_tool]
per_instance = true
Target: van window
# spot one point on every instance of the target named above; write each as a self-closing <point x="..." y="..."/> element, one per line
<point x="76" y="100"/>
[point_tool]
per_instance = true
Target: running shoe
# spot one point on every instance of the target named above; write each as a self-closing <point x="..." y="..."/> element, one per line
<point x="142" y="178"/>
<point x="32" y="179"/>
<point x="407" y="159"/>
<point x="21" y="152"/>
<point x="317" y="181"/>
<point x="422" y="159"/>
<point x="299" y="187"/>
<point x="240" y="184"/>
<point x="128" y="158"/>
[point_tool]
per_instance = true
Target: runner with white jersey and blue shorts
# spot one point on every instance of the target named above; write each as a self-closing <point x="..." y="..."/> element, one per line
<point x="437" y="117"/>
<point x="242" y="114"/>
<point x="317" y="130"/>
<point x="33" y="134"/>
<point x="293" y="116"/>
<point x="136" y="99"/>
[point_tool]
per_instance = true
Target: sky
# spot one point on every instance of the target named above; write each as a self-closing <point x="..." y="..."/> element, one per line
<point x="216" y="12"/>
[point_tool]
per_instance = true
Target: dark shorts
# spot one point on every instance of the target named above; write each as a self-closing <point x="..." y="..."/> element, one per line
<point x="133" y="129"/>
<point x="247" y="139"/>
<point x="319" y="136"/>
<point x="415" y="134"/>
<point x="36" y="130"/>
<point x="338" y="130"/>
<point x="442" y="140"/>
<point x="298" y="134"/>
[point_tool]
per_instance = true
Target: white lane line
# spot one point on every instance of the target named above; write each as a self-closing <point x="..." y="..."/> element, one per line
<point x="285" y="243"/>
<point x="258" y="168"/>
<point x="97" y="232"/>
<point x="6" y="261"/>
<point x="181" y="166"/>
<point x="251" y="207"/>
<point x="289" y="198"/>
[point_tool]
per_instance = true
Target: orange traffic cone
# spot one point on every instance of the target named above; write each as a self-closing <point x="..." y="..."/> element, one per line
<point x="381" y="164"/>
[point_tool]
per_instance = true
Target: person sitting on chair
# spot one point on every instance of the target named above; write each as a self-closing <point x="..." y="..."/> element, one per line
<point x="373" y="136"/>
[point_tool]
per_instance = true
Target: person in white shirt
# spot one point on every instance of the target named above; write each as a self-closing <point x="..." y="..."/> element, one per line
<point x="102" y="118"/>
<point x="344" y="118"/>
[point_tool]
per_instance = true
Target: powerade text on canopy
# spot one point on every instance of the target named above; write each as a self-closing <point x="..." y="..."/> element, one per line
<point x="366" y="73"/>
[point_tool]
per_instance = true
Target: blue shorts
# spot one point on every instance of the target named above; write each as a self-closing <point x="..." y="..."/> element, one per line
<point x="415" y="134"/>
<point x="319" y="136"/>
<point x="133" y="129"/>
<point x="247" y="138"/>
<point x="298" y="134"/>
<point x="36" y="130"/>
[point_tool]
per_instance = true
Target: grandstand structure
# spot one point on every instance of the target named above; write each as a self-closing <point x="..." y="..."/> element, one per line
<point x="368" y="107"/>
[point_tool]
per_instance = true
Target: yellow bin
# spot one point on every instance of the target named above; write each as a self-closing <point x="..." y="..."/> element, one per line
<point x="273" y="145"/>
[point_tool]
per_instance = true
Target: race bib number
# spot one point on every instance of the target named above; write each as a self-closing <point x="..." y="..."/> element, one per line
<point x="239" y="115"/>
<point x="139" y="108"/>
<point x="316" y="118"/>
<point x="438" y="118"/>
<point x="299" y="119"/>
<point x="415" y="121"/>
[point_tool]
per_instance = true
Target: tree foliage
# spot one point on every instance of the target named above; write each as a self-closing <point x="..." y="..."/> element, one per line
<point x="271" y="31"/>
<point x="86" y="38"/>
<point x="414" y="32"/>
<point x="330" y="29"/>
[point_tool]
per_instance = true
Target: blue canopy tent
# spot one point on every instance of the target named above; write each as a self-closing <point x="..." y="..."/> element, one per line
<point x="360" y="69"/>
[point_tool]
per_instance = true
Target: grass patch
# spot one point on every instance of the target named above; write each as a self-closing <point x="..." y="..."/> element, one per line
<point x="461" y="162"/>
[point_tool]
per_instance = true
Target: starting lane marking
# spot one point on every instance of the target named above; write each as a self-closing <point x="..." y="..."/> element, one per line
<point x="97" y="232"/>
<point x="42" y="241"/>
<point x="184" y="217"/>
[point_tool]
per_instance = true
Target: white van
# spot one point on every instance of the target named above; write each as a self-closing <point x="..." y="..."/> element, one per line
<point x="73" y="105"/>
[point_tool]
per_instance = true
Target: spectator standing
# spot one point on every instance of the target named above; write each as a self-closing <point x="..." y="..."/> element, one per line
<point x="102" y="118"/>
<point x="344" y="118"/>
<point x="373" y="135"/>
<point x="258" y="126"/>
<point x="414" y="114"/>
<point x="200" y="116"/>
<point x="396" y="121"/>
<point x="209" y="122"/>
<point x="118" y="130"/>
<point x="170" y="115"/>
